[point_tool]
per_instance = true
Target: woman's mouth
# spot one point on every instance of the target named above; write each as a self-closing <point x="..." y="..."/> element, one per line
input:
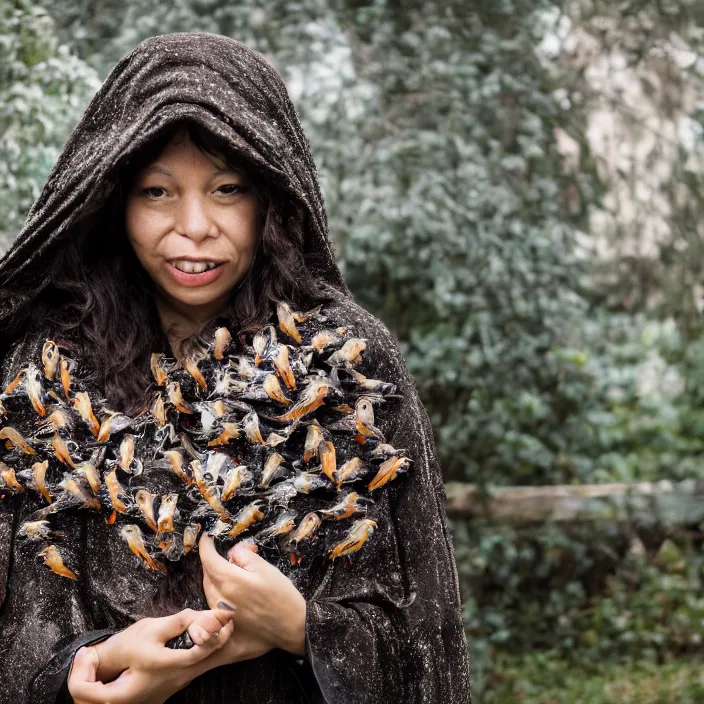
<point x="194" y="273"/>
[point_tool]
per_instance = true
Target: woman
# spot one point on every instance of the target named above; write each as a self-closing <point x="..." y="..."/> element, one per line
<point x="191" y="158"/>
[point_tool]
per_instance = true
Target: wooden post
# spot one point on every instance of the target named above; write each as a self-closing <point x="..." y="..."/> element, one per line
<point x="663" y="501"/>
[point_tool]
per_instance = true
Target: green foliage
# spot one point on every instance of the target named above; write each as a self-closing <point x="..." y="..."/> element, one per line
<point x="636" y="419"/>
<point x="44" y="89"/>
<point x="545" y="679"/>
<point x="587" y="593"/>
<point x="463" y="245"/>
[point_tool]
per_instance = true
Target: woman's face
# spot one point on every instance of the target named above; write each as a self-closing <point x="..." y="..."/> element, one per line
<point x="192" y="222"/>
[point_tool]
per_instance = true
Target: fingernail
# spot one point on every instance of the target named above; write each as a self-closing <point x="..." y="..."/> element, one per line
<point x="226" y="606"/>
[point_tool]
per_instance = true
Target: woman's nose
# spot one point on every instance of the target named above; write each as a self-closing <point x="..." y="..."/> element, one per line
<point x="193" y="220"/>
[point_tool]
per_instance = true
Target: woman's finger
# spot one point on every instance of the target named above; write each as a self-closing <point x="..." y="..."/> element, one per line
<point x="245" y="556"/>
<point x="215" y="598"/>
<point x="169" y="627"/>
<point x="213" y="563"/>
<point x="200" y="635"/>
<point x="126" y="689"/>
<point x="88" y="692"/>
<point x="212" y="621"/>
<point x="85" y="664"/>
<point x="248" y="543"/>
<point x="209" y="622"/>
<point x="82" y="684"/>
<point x="194" y="655"/>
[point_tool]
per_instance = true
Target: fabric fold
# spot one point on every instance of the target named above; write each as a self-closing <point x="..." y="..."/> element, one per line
<point x="387" y="627"/>
<point x="50" y="685"/>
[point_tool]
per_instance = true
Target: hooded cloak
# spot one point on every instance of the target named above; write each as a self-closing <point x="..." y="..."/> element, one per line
<point x="384" y="628"/>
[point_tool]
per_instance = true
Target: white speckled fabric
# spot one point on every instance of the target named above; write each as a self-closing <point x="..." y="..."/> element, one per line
<point x="385" y="627"/>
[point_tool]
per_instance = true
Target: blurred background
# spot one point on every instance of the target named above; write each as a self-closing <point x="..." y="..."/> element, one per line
<point x="516" y="187"/>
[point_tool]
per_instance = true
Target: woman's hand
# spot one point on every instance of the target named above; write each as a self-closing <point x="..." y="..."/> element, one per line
<point x="143" y="645"/>
<point x="146" y="671"/>
<point x="271" y="612"/>
<point x="242" y="645"/>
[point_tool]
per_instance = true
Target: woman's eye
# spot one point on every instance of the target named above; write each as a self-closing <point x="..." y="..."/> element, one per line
<point x="230" y="188"/>
<point x="153" y="192"/>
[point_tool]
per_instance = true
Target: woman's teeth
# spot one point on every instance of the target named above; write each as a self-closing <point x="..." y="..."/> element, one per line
<point x="188" y="267"/>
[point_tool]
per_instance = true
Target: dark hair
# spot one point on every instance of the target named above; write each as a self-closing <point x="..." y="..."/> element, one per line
<point x="99" y="295"/>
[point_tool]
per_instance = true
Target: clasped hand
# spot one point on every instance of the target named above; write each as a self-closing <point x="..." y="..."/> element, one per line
<point x="134" y="666"/>
<point x="271" y="612"/>
<point x="254" y="608"/>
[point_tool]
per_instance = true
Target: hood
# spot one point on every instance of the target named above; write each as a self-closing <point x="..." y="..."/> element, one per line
<point x="209" y="79"/>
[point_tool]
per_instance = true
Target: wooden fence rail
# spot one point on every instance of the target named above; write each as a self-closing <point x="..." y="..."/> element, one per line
<point x="663" y="501"/>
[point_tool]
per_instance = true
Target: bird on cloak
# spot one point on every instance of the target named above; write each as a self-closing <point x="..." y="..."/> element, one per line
<point x="272" y="438"/>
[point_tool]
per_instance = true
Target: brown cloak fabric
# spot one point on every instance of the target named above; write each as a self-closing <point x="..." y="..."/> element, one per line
<point x="385" y="628"/>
